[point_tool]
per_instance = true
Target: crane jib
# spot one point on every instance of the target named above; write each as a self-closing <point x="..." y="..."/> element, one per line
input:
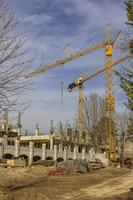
<point x="87" y="77"/>
<point x="73" y="56"/>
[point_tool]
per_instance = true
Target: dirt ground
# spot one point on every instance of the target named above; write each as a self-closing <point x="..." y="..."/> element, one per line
<point x="34" y="184"/>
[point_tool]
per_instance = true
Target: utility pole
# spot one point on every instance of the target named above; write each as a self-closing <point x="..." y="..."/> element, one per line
<point x="61" y="135"/>
<point x="51" y="127"/>
<point x="19" y="120"/>
<point x="19" y="125"/>
<point x="62" y="84"/>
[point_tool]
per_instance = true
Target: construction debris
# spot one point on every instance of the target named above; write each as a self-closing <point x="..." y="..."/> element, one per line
<point x="45" y="163"/>
<point x="81" y="166"/>
<point x="128" y="163"/>
<point x="96" y="164"/>
<point x="57" y="172"/>
<point x="16" y="162"/>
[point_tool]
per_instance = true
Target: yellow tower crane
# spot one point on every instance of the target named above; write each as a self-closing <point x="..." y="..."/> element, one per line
<point x="79" y="83"/>
<point x="73" y="56"/>
<point x="109" y="99"/>
<point x="107" y="44"/>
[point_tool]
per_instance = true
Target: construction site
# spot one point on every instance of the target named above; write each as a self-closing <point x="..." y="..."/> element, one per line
<point x="89" y="157"/>
<point x="65" y="165"/>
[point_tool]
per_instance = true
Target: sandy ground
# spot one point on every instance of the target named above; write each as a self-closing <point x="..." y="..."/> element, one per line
<point x="33" y="184"/>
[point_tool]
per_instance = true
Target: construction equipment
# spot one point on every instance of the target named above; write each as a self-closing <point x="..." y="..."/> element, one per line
<point x="79" y="83"/>
<point x="73" y="56"/>
<point x="108" y="45"/>
<point x="110" y="100"/>
<point x="84" y="78"/>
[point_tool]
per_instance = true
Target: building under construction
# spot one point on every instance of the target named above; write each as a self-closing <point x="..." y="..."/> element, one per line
<point x="79" y="139"/>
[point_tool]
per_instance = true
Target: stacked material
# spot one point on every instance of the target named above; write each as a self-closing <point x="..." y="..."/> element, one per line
<point x="73" y="165"/>
<point x="44" y="163"/>
<point x="16" y="163"/>
<point x="96" y="164"/>
<point x="79" y="165"/>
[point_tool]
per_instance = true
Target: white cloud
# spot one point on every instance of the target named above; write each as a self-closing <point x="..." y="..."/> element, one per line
<point x="36" y="19"/>
<point x="101" y="13"/>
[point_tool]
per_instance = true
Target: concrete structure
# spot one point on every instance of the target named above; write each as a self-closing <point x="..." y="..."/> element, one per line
<point x="32" y="153"/>
<point x="54" y="146"/>
<point x="36" y="147"/>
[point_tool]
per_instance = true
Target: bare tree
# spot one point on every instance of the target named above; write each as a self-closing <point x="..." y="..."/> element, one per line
<point x="95" y="120"/>
<point x="14" y="62"/>
<point x="122" y="128"/>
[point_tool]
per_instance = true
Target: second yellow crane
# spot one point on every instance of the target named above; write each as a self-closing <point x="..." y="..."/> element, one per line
<point x="79" y="83"/>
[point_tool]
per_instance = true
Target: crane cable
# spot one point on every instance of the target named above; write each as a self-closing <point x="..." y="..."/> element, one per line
<point x="93" y="38"/>
<point x="87" y="35"/>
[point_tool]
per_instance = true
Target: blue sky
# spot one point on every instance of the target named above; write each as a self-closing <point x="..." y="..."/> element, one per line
<point x="50" y="25"/>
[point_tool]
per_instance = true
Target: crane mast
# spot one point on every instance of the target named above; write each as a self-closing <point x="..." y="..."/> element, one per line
<point x="109" y="99"/>
<point x="80" y="110"/>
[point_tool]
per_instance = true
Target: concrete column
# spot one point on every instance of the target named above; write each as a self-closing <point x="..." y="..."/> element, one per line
<point x="19" y="131"/>
<point x="17" y="148"/>
<point x="92" y="154"/>
<point x="83" y="153"/>
<point x="69" y="148"/>
<point x="44" y="151"/>
<point x="1" y="148"/>
<point x="5" y="143"/>
<point x="77" y="149"/>
<point x="60" y="147"/>
<point x="75" y="153"/>
<point x="65" y="153"/>
<point x="31" y="153"/>
<point x="55" y="152"/>
<point x="3" y="126"/>
<point x="51" y="142"/>
<point x="105" y="155"/>
<point x="37" y="130"/>
<point x="87" y="139"/>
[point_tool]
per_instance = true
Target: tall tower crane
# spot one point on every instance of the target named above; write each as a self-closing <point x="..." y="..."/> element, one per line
<point x="108" y="45"/>
<point x="110" y="99"/>
<point x="79" y="83"/>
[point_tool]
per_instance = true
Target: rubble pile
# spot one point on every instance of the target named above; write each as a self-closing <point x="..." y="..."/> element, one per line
<point x="79" y="165"/>
<point x="61" y="168"/>
<point x="57" y="172"/>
